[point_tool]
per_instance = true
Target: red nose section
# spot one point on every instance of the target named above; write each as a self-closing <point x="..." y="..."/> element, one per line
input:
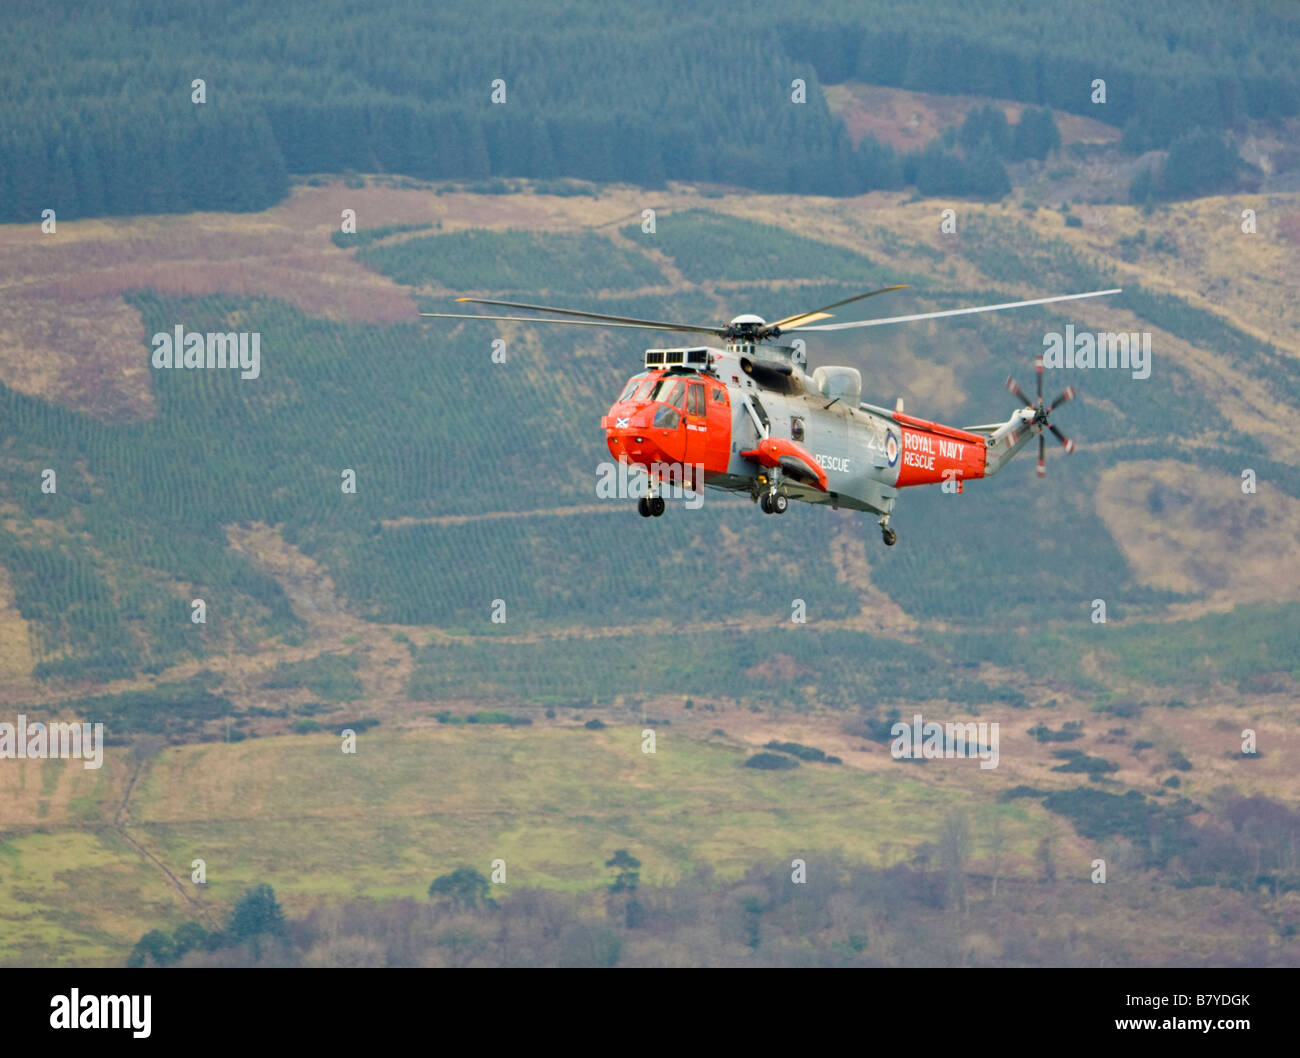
<point x="630" y="433"/>
<point x="689" y="427"/>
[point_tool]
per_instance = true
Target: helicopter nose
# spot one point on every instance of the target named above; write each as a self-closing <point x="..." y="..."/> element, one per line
<point x="630" y="435"/>
<point x="623" y="440"/>
<point x="629" y="444"/>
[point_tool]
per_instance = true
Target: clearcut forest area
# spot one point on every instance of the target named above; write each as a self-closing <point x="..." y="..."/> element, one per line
<point x="498" y="636"/>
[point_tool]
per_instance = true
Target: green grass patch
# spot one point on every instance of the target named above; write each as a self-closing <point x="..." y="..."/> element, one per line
<point x="709" y="246"/>
<point x="329" y="676"/>
<point x="315" y="823"/>
<point x="514" y="260"/>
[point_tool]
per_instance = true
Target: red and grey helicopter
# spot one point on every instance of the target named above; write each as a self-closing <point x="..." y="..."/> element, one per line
<point x="747" y="418"/>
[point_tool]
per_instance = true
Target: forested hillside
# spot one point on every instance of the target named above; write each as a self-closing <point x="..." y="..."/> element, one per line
<point x="439" y="435"/>
<point x="97" y="115"/>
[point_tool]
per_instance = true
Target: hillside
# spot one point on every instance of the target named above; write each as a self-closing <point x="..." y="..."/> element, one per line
<point x="476" y="481"/>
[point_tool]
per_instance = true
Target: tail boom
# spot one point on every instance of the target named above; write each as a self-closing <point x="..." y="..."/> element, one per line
<point x="1008" y="439"/>
<point x="933" y="452"/>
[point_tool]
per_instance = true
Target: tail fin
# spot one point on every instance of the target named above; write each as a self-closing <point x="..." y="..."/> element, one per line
<point x="1006" y="439"/>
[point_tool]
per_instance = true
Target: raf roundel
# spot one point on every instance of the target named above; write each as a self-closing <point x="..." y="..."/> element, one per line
<point x="891" y="447"/>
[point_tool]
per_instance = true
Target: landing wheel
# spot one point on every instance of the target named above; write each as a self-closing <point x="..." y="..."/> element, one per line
<point x="765" y="501"/>
<point x="779" y="503"/>
<point x="657" y="505"/>
<point x="643" y="507"/>
<point x="889" y="536"/>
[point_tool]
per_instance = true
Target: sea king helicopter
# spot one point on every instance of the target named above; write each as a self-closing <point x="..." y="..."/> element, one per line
<point x="748" y="418"/>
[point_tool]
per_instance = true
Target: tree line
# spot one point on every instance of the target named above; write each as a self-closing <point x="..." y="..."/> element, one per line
<point x="102" y="114"/>
<point x="1165" y="71"/>
<point x="919" y="911"/>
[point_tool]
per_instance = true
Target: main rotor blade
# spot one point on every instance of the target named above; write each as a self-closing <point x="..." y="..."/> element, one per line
<point x="824" y="311"/>
<point x="647" y="326"/>
<point x="952" y="312"/>
<point x="1038" y="370"/>
<point x="658" y="325"/>
<point x="1069" y="445"/>
<point x="1042" y="455"/>
<point x="1066" y="394"/>
<point x="1011" y="385"/>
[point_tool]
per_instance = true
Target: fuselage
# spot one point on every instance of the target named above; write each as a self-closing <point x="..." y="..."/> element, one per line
<point x="748" y="419"/>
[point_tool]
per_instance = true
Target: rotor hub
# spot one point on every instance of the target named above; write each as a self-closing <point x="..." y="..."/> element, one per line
<point x="746" y="327"/>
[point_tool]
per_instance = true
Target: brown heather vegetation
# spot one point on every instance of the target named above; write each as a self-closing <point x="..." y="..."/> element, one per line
<point x="844" y="915"/>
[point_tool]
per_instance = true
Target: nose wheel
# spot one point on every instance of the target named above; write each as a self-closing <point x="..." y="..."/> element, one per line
<point x="773" y="503"/>
<point x="650" y="506"/>
<point x="886" y="533"/>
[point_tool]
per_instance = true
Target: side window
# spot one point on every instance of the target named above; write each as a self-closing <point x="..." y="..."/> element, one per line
<point x="668" y="418"/>
<point x="695" y="399"/>
<point x="719" y="395"/>
<point x="796" y="429"/>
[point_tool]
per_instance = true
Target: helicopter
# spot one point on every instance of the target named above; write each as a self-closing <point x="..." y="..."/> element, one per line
<point x="748" y="418"/>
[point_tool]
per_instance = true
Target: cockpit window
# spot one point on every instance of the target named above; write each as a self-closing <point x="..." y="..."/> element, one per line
<point x="671" y="391"/>
<point x="643" y="390"/>
<point x="632" y="384"/>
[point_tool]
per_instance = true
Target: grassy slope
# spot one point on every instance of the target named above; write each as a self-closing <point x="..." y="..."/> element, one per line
<point x="554" y="804"/>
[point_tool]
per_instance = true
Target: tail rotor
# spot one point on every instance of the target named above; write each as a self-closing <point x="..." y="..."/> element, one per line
<point x="1041" y="412"/>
